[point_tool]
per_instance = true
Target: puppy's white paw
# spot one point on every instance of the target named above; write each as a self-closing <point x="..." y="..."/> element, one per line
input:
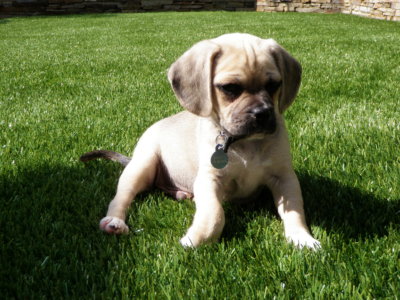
<point x="303" y="239"/>
<point x="113" y="225"/>
<point x="186" y="242"/>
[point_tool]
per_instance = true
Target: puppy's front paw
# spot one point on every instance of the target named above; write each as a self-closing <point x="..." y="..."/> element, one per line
<point x="186" y="242"/>
<point x="113" y="225"/>
<point x="303" y="239"/>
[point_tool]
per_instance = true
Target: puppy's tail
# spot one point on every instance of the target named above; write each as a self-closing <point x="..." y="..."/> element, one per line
<point x="106" y="154"/>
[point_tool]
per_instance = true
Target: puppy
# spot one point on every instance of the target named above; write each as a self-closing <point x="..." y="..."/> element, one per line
<point x="230" y="141"/>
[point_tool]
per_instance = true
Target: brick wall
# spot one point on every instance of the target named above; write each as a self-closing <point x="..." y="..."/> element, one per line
<point x="380" y="9"/>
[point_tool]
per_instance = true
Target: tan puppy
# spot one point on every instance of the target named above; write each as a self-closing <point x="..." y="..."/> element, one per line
<point x="230" y="142"/>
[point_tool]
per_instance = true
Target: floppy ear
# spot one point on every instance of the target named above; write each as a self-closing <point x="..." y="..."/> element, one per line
<point x="290" y="70"/>
<point x="191" y="78"/>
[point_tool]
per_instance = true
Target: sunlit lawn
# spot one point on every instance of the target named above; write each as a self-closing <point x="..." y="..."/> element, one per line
<point x="77" y="83"/>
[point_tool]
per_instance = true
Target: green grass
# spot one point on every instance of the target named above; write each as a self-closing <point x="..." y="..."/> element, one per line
<point x="76" y="83"/>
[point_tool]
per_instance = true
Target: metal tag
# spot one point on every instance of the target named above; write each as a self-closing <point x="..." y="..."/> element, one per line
<point x="219" y="159"/>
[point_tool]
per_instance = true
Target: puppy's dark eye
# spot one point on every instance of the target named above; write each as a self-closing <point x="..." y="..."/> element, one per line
<point x="231" y="90"/>
<point x="272" y="86"/>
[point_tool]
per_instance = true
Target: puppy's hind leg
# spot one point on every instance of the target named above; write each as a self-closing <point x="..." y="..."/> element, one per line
<point x="138" y="176"/>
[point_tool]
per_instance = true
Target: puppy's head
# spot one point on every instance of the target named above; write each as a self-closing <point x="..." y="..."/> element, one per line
<point x="239" y="80"/>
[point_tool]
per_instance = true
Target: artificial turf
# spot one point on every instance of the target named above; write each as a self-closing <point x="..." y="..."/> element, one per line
<point x="76" y="83"/>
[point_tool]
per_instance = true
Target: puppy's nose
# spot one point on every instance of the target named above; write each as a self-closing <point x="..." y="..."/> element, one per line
<point x="264" y="117"/>
<point x="262" y="113"/>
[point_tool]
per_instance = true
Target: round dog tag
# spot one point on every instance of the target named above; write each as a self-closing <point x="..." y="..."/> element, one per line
<point x="219" y="159"/>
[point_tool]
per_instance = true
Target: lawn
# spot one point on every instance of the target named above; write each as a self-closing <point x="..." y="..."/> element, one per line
<point x="77" y="83"/>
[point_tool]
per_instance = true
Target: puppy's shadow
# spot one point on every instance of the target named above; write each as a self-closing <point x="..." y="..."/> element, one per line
<point x="347" y="211"/>
<point x="339" y="209"/>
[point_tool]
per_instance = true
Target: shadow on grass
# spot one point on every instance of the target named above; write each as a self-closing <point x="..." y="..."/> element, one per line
<point x="347" y="211"/>
<point x="51" y="245"/>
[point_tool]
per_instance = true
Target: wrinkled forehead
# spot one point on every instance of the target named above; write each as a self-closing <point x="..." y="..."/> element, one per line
<point x="244" y="60"/>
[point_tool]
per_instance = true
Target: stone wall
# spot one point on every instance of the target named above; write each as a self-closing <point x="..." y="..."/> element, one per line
<point x="321" y="6"/>
<point x="379" y="9"/>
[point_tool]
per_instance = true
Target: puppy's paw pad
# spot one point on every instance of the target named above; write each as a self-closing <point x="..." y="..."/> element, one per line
<point x="181" y="195"/>
<point x="304" y="240"/>
<point x="113" y="225"/>
<point x="186" y="242"/>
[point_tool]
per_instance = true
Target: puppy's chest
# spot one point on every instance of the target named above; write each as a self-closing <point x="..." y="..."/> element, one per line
<point x="246" y="173"/>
